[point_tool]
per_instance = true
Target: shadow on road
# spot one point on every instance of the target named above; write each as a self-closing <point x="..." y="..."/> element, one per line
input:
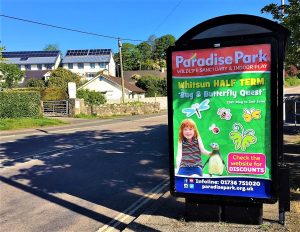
<point x="110" y="169"/>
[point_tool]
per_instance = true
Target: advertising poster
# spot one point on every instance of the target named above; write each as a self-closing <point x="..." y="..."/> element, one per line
<point x="221" y="121"/>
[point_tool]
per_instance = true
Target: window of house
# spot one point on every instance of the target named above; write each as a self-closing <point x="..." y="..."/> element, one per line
<point x="27" y="66"/>
<point x="102" y="65"/>
<point x="39" y="66"/>
<point x="48" y="66"/>
<point x="70" y="66"/>
<point x="92" y="65"/>
<point x="80" y="65"/>
<point x="90" y="74"/>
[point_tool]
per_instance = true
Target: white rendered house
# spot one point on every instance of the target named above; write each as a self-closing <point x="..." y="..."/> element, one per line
<point x="34" y="60"/>
<point x="89" y="62"/>
<point x="111" y="87"/>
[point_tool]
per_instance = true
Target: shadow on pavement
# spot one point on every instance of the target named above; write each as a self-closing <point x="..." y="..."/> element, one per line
<point x="111" y="169"/>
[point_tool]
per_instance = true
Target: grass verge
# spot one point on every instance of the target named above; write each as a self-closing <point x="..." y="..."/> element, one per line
<point x="98" y="117"/>
<point x="22" y="123"/>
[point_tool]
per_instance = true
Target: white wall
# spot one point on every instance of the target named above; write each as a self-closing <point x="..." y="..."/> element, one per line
<point x="34" y="67"/>
<point x="86" y="68"/>
<point x="112" y="67"/>
<point x="114" y="91"/>
<point x="57" y="62"/>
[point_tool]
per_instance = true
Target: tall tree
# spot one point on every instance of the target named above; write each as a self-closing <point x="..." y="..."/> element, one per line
<point x="151" y="40"/>
<point x="11" y="74"/>
<point x="291" y="20"/>
<point x="161" y="44"/>
<point x="146" y="53"/>
<point x="131" y="57"/>
<point x="51" y="47"/>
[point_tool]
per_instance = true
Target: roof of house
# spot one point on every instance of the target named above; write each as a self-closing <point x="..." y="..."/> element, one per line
<point x="31" y="57"/>
<point x="88" y="56"/>
<point x="35" y="74"/>
<point x="155" y="73"/>
<point x="117" y="81"/>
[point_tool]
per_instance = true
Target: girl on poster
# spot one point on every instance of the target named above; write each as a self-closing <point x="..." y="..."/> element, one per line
<point x="190" y="148"/>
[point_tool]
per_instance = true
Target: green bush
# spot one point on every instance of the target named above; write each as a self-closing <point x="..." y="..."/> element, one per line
<point x="15" y="104"/>
<point x="60" y="78"/>
<point x="47" y="94"/>
<point x="91" y="97"/>
<point x="153" y="86"/>
<point x="292" y="81"/>
<point x="54" y="94"/>
<point x="35" y="83"/>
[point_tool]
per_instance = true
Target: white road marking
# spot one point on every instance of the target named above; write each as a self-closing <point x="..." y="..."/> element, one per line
<point x="126" y="216"/>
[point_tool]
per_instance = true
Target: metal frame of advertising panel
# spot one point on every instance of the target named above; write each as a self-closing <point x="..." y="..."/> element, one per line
<point x="275" y="113"/>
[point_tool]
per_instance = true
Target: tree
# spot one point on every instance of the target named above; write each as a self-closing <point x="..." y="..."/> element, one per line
<point x="291" y="20"/>
<point x="160" y="46"/>
<point x="131" y="57"/>
<point x="151" y="40"/>
<point x="1" y="58"/>
<point x="154" y="86"/>
<point x="61" y="77"/>
<point x="51" y="47"/>
<point x="146" y="61"/>
<point x="11" y="74"/>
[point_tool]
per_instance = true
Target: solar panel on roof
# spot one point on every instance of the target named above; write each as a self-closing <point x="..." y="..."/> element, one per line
<point x="30" y="54"/>
<point x="91" y="52"/>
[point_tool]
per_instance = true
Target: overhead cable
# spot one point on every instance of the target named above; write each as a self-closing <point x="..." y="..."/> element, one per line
<point x="68" y="29"/>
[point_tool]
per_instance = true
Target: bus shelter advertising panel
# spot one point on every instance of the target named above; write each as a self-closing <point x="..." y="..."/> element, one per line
<point x="221" y="121"/>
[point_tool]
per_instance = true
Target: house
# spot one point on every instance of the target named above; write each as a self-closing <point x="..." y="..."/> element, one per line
<point x="89" y="62"/>
<point x="111" y="87"/>
<point x="34" y="60"/>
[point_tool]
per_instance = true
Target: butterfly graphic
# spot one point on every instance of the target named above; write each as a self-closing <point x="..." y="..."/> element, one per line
<point x="224" y="113"/>
<point x="196" y="109"/>
<point x="250" y="114"/>
<point x="242" y="139"/>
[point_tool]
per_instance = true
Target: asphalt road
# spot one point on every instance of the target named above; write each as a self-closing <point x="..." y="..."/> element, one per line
<point x="93" y="176"/>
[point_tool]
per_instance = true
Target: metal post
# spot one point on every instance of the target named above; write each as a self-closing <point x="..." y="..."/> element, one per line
<point x="121" y="67"/>
<point x="295" y="114"/>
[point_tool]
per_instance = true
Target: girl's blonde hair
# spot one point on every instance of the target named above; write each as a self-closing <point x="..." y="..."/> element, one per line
<point x="187" y="123"/>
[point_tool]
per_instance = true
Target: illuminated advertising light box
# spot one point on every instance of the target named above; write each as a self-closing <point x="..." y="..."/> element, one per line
<point x="221" y="106"/>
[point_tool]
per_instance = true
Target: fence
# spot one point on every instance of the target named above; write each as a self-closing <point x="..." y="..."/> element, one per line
<point x="55" y="108"/>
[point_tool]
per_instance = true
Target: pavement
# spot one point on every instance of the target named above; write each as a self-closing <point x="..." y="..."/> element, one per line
<point x="168" y="213"/>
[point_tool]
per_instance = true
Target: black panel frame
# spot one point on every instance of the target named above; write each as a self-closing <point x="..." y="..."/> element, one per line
<point x="277" y="39"/>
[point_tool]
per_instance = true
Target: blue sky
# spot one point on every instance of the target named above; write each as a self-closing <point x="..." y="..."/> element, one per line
<point x="135" y="19"/>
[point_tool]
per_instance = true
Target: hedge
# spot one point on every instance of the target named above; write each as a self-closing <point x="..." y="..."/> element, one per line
<point x="91" y="97"/>
<point x="54" y="94"/>
<point x="15" y="104"/>
<point x="47" y="94"/>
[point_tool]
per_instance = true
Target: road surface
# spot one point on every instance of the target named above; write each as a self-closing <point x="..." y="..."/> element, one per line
<point x="96" y="176"/>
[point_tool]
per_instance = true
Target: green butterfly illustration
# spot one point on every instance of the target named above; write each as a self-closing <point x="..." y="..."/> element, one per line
<point x="242" y="139"/>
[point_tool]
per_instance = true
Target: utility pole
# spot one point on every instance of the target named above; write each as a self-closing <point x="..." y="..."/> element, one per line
<point x="282" y="8"/>
<point x="121" y="68"/>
